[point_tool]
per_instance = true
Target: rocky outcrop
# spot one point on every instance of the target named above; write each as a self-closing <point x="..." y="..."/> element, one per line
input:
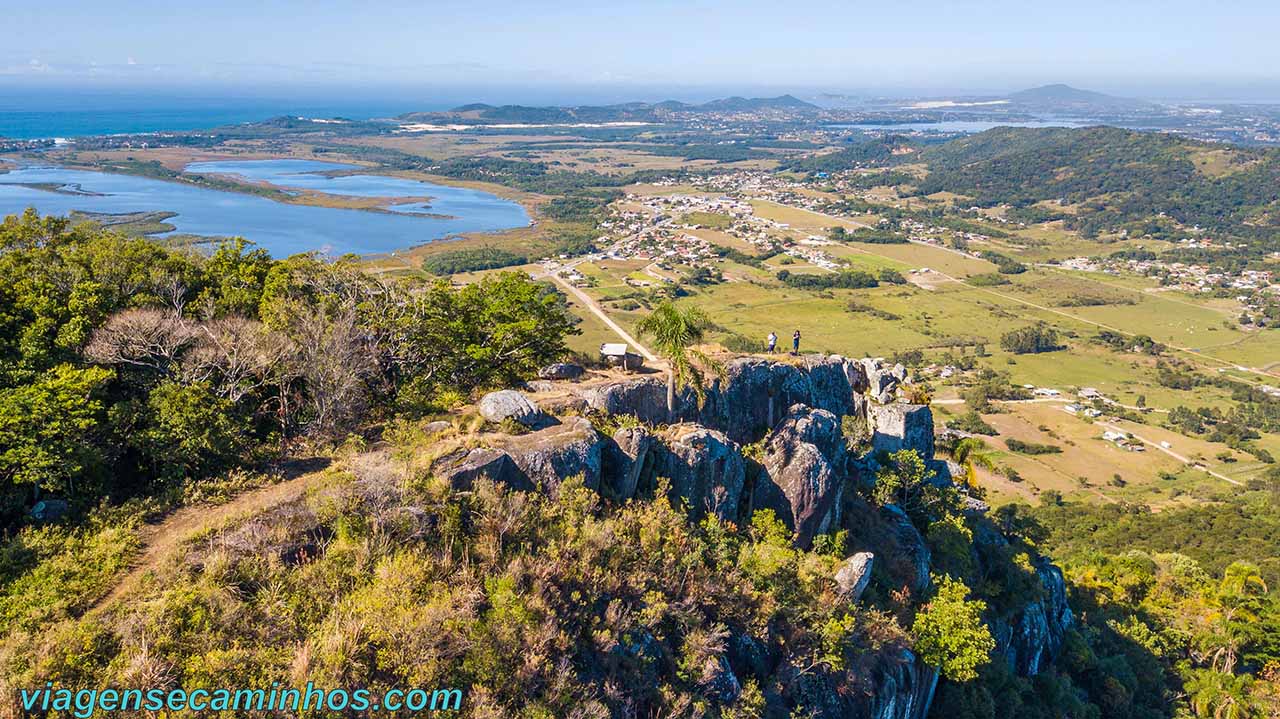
<point x="535" y="461"/>
<point x="644" y="398"/>
<point x="911" y="547"/>
<point x="508" y="404"/>
<point x="854" y="575"/>
<point x="548" y="457"/>
<point x="803" y="472"/>
<point x="705" y="468"/>
<point x="463" y="468"/>
<point x="901" y="426"/>
<point x="805" y="475"/>
<point x="1029" y="636"/>
<point x="718" y="682"/>
<point x="561" y="371"/>
<point x="894" y="685"/>
<point x="756" y="393"/>
<point x="903" y="690"/>
<point x="1032" y="637"/>
<point x="627" y="459"/>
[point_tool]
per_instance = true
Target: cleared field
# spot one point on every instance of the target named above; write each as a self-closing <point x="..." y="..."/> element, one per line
<point x="805" y="220"/>
<point x="936" y="258"/>
<point x="1088" y="466"/>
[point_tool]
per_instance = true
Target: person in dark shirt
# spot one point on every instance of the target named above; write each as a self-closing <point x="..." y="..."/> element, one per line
<point x="795" y="343"/>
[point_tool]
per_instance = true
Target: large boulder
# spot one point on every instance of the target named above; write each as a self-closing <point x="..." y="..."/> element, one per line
<point x="882" y="379"/>
<point x="901" y="426"/>
<point x="561" y="370"/>
<point x="705" y="468"/>
<point x="625" y="461"/>
<point x="463" y="468"/>
<point x="644" y="398"/>
<point x="549" y="456"/>
<point x="509" y="404"/>
<point x="804" y="472"/>
<point x="854" y="575"/>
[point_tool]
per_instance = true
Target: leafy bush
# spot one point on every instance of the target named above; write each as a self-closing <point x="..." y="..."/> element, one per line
<point x="1036" y="338"/>
<point x="990" y="279"/>
<point x="972" y="423"/>
<point x="1022" y="447"/>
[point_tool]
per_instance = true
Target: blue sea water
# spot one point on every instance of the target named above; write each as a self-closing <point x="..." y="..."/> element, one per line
<point x="50" y="114"/>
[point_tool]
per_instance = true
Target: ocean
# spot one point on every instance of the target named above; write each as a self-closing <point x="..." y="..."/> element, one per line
<point x="27" y="115"/>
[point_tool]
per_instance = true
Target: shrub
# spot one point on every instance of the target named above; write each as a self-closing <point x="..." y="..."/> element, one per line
<point x="1018" y="445"/>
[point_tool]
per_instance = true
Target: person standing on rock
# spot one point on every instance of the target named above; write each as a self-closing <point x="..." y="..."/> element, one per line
<point x="773" y="341"/>
<point x="795" y="343"/>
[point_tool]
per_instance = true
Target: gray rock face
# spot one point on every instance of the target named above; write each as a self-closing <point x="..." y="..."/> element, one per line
<point x="626" y="460"/>
<point x="854" y="575"/>
<point x="901" y="426"/>
<point x="718" y="681"/>
<point x="536" y="461"/>
<point x="804" y="468"/>
<point x="1033" y="636"/>
<point x="896" y="686"/>
<point x="883" y="380"/>
<point x="1030" y="636"/>
<point x="756" y="393"/>
<point x="705" y="468"/>
<point x="561" y="370"/>
<point x="903" y="691"/>
<point x="643" y="398"/>
<point x="510" y="404"/>
<point x="911" y="546"/>
<point x="462" y="469"/>
<point x="548" y="457"/>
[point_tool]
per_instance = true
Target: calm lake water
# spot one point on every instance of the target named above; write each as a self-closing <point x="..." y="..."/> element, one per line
<point x="281" y="228"/>
<point x="967" y="126"/>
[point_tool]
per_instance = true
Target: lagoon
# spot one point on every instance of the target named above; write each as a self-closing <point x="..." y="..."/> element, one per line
<point x="967" y="126"/>
<point x="283" y="229"/>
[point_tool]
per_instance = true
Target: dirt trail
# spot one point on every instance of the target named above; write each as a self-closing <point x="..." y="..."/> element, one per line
<point x="161" y="540"/>
<point x="595" y="309"/>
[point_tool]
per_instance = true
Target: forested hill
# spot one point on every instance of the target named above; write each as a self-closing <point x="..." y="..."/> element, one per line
<point x="625" y="112"/>
<point x="1115" y="177"/>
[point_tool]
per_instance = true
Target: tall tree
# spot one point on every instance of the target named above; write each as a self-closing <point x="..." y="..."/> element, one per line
<point x="675" y="331"/>
<point x="972" y="453"/>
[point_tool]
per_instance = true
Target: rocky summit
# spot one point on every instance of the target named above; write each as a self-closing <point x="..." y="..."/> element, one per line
<point x="799" y="438"/>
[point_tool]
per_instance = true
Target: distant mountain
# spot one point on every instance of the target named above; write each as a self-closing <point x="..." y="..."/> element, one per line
<point x="1061" y="97"/>
<point x="480" y="113"/>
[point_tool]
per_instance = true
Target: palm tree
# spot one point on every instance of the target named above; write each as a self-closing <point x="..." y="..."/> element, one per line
<point x="674" y="332"/>
<point x="972" y="453"/>
<point x="1237" y="613"/>
<point x="1214" y="695"/>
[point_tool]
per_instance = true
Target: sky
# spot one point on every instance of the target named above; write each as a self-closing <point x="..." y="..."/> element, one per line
<point x="1224" y="49"/>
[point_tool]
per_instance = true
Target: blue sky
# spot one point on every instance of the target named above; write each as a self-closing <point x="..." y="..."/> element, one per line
<point x="1146" y="47"/>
